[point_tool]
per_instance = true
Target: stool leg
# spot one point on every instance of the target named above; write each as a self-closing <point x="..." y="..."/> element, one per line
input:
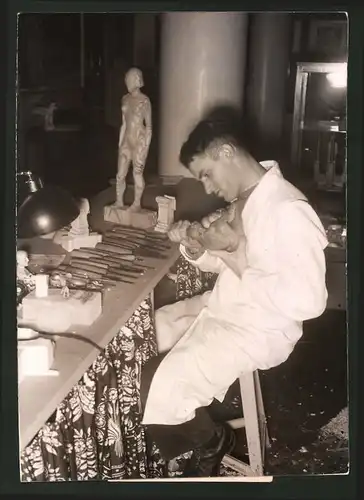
<point x="261" y="412"/>
<point x="250" y="411"/>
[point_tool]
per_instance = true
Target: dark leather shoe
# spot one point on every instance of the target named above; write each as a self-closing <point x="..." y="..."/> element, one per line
<point x="206" y="461"/>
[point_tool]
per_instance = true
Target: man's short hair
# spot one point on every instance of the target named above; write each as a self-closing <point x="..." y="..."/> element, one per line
<point x="212" y="132"/>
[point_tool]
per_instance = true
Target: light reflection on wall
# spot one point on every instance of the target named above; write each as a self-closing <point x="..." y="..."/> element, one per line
<point x="338" y="80"/>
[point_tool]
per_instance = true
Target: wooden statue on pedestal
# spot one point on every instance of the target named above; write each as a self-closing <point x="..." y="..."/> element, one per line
<point x="134" y="142"/>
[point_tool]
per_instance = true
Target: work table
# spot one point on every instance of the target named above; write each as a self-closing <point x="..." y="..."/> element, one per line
<point x="39" y="396"/>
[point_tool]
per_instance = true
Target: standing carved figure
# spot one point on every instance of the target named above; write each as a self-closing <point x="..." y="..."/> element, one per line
<point x="134" y="139"/>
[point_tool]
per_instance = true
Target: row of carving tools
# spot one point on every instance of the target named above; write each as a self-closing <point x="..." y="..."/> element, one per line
<point x="120" y="257"/>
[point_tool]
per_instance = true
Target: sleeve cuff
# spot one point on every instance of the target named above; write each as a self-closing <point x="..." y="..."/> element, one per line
<point x="188" y="256"/>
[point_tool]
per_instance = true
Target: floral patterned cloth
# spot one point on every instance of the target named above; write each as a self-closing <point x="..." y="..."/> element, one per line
<point x="96" y="432"/>
<point x="191" y="281"/>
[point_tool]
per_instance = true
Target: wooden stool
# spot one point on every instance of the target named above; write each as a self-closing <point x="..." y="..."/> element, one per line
<point x="255" y="425"/>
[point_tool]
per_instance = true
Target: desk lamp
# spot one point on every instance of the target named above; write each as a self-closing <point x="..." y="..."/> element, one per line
<point x="42" y="209"/>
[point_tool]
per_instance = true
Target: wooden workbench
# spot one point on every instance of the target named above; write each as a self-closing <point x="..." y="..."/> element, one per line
<point x="39" y="396"/>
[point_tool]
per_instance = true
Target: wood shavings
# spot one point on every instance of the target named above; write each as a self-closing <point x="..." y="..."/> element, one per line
<point x="337" y="427"/>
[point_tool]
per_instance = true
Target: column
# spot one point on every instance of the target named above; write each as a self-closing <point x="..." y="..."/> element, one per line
<point x="144" y="40"/>
<point x="269" y="51"/>
<point x="203" y="56"/>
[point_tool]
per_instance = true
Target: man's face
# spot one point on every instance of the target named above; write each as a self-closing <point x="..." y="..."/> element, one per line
<point x="218" y="177"/>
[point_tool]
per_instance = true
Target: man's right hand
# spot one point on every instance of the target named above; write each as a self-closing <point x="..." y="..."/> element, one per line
<point x="178" y="234"/>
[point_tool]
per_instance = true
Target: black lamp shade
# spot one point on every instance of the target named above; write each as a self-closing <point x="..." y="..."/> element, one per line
<point x="45" y="211"/>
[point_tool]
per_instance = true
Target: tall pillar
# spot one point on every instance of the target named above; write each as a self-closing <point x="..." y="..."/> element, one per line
<point x="269" y="51"/>
<point x="203" y="56"/>
<point x="144" y="40"/>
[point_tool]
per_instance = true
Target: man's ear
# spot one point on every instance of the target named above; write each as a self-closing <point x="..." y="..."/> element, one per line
<point x="226" y="151"/>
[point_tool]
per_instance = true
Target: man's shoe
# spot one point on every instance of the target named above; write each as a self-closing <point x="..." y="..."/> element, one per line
<point x="206" y="461"/>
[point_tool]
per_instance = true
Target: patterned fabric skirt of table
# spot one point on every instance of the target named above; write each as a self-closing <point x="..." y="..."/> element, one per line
<point x="96" y="432"/>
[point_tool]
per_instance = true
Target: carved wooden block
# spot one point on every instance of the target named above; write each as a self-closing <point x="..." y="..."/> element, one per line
<point x="57" y="313"/>
<point x="166" y="208"/>
<point x="143" y="219"/>
<point x="70" y="243"/>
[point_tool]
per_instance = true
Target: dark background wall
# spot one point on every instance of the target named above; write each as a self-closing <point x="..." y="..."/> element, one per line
<point x="79" y="62"/>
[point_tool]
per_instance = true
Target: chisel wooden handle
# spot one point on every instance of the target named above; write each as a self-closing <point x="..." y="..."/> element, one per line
<point x="116" y="251"/>
<point x="121" y="260"/>
<point x="130" y="269"/>
<point x="79" y="279"/>
<point x="113" y="263"/>
<point x="122" y="274"/>
<point x="88" y="266"/>
<point x="80" y="272"/>
<point x="103" y="278"/>
<point x="123" y="243"/>
<point x="83" y="254"/>
<point x="93" y="251"/>
<point x="95" y="256"/>
<point x="121" y="251"/>
<point x="137" y="240"/>
<point x="136" y="230"/>
<point x="90" y="261"/>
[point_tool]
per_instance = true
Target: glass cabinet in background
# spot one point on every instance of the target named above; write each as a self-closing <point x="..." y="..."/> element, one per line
<point x="319" y="124"/>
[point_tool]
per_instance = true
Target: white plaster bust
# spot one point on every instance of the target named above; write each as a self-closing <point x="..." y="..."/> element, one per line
<point x="134" y="138"/>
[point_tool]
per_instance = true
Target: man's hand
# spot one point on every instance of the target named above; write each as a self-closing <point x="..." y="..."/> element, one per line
<point x="223" y="214"/>
<point x="214" y="216"/>
<point x="178" y="234"/>
<point x="222" y="230"/>
<point x="220" y="236"/>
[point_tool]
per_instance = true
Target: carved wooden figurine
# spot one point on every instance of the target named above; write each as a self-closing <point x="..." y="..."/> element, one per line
<point x="134" y="139"/>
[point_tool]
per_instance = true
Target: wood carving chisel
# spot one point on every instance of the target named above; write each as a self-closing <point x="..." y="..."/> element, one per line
<point x="118" y="258"/>
<point x="143" y="244"/>
<point x="137" y="251"/>
<point x="81" y="277"/>
<point x="140" y="236"/>
<point x="100" y="265"/>
<point x="138" y="230"/>
<point x="96" y="276"/>
<point x="119" y="251"/>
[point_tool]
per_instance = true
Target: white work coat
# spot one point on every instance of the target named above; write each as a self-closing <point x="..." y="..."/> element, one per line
<point x="253" y="317"/>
